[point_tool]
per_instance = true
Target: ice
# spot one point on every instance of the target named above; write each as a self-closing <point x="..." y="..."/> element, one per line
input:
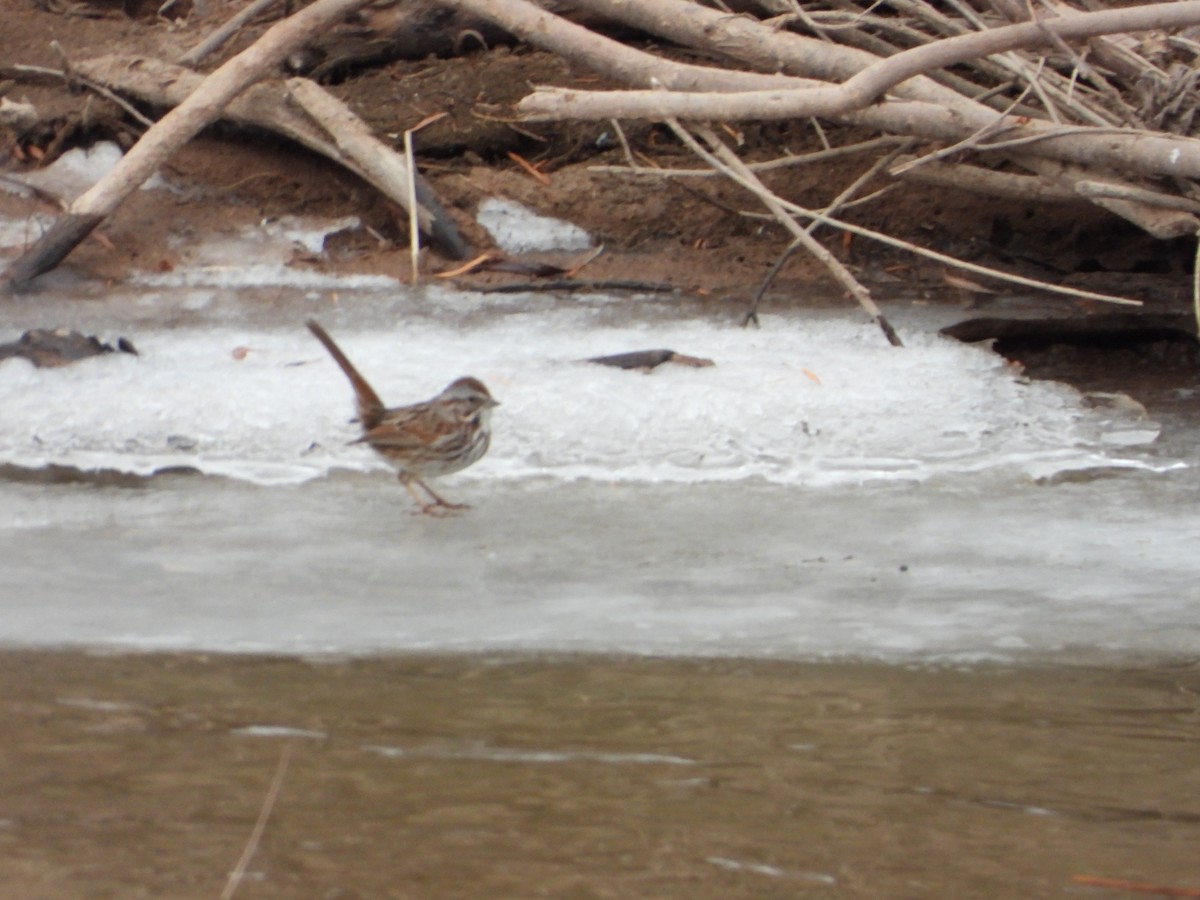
<point x="77" y="170"/>
<point x="247" y="256"/>
<point x="975" y="571"/>
<point x="261" y="255"/>
<point x="22" y="232"/>
<point x="242" y="275"/>
<point x="818" y="402"/>
<point x="815" y="494"/>
<point x="518" y="229"/>
<point x="307" y="232"/>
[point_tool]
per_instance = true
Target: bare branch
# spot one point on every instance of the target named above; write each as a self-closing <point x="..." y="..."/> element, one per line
<point x="927" y="109"/>
<point x="866" y="86"/>
<point x="171" y="132"/>
<point x="977" y="180"/>
<point x="224" y="32"/>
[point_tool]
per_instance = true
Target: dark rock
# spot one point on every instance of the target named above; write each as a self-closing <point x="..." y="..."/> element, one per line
<point x="61" y="347"/>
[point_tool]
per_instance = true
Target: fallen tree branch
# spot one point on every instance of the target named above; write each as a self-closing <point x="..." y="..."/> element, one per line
<point x="266" y="105"/>
<point x="224" y="32"/>
<point x="857" y="93"/>
<point x="602" y="54"/>
<point x="378" y="164"/>
<point x="756" y="44"/>
<point x="978" y="180"/>
<point x="1103" y="189"/>
<point x="925" y="109"/>
<point x="167" y="135"/>
<point x="1162" y="223"/>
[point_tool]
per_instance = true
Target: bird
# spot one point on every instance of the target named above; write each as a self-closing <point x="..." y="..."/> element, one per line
<point x="442" y="435"/>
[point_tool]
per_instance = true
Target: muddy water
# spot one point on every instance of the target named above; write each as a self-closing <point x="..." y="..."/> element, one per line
<point x="477" y="776"/>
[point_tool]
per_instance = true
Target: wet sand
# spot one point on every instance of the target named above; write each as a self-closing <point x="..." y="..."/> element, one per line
<point x="500" y="776"/>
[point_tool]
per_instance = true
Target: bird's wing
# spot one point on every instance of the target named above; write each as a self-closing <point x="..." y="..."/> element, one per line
<point x="411" y="427"/>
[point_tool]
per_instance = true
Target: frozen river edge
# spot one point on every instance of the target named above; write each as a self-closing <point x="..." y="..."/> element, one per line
<point x="340" y="565"/>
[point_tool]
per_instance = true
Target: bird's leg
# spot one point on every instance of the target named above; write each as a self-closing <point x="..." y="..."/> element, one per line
<point x="438" y="499"/>
<point x="439" y="506"/>
<point x="425" y="507"/>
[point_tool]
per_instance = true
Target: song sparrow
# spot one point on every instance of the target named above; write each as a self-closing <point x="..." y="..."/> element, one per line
<point x="425" y="440"/>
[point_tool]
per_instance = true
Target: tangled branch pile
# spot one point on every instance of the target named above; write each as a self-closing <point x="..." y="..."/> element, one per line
<point x="1039" y="100"/>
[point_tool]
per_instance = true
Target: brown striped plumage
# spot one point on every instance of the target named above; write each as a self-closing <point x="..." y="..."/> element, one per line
<point x="424" y="440"/>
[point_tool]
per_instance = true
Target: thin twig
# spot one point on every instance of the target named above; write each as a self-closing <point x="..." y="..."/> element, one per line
<point x="957" y="263"/>
<point x="20" y="187"/>
<point x="235" y="877"/>
<point x="467" y="267"/>
<point x="1061" y="131"/>
<point x="626" y="151"/>
<point x="72" y="77"/>
<point x="725" y="159"/>
<point x="587" y="259"/>
<point x="782" y="162"/>
<point x="837" y="203"/>
<point x="966" y="143"/>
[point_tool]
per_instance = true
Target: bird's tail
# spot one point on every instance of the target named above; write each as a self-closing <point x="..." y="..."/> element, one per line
<point x="370" y="407"/>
